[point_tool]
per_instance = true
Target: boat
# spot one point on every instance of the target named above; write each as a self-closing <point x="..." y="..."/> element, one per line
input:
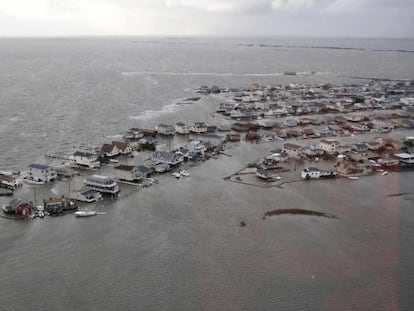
<point x="353" y="177"/>
<point x="384" y="173"/>
<point x="176" y="175"/>
<point x="184" y="173"/>
<point x="85" y="213"/>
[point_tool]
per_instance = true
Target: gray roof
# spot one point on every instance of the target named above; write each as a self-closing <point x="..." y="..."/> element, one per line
<point x="165" y="125"/>
<point x="39" y="166"/>
<point x="16" y="202"/>
<point x="312" y="169"/>
<point x="199" y="124"/>
<point x="84" y="154"/>
<point x="144" y="169"/>
<point x="165" y="155"/>
<point x="85" y="192"/>
<point x="123" y="167"/>
<point x="120" y="145"/>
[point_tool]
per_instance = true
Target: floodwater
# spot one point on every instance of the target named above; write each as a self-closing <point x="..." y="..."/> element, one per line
<point x="178" y="245"/>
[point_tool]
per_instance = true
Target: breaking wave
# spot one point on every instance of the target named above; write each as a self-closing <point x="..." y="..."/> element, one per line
<point x="117" y="136"/>
<point x="16" y="119"/>
<point x="151" y="114"/>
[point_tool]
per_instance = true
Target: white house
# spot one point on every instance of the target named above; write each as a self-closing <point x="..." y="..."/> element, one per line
<point x="405" y="159"/>
<point x="165" y="129"/>
<point x="10" y="182"/>
<point x="182" y="128"/>
<point x="86" y="195"/>
<point x="243" y="114"/>
<point x="41" y="173"/>
<point x="170" y="158"/>
<point x="103" y="184"/>
<point x="123" y="147"/>
<point x="85" y="159"/>
<point x="291" y="122"/>
<point x="359" y="127"/>
<point x="198" y="127"/>
<point x="109" y="150"/>
<point x="127" y="172"/>
<point x="314" y="173"/>
<point x="266" y="135"/>
<point x="225" y="107"/>
<point x="329" y="145"/>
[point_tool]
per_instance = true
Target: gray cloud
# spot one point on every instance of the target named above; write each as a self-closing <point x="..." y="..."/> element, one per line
<point x="214" y="17"/>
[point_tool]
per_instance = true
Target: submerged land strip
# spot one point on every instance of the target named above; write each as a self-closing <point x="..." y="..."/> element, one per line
<point x="314" y="132"/>
<point x="320" y="47"/>
<point x="296" y="211"/>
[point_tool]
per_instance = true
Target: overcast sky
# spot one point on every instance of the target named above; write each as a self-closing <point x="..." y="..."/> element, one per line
<point x="351" y="18"/>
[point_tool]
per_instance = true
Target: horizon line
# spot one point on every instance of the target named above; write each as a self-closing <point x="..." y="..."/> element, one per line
<point x="175" y="36"/>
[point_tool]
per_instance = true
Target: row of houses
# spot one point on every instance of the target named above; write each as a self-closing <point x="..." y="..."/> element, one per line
<point x="164" y="161"/>
<point x="302" y="99"/>
<point x="115" y="148"/>
<point x="169" y="130"/>
<point x="334" y="147"/>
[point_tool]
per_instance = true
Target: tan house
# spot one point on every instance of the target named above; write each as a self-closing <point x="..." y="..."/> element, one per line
<point x="292" y="150"/>
<point x="329" y="145"/>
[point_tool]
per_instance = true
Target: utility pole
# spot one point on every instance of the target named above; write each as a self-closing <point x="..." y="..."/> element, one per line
<point x="68" y="187"/>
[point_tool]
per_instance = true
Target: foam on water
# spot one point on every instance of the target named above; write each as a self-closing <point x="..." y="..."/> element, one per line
<point x="116" y="136"/>
<point x="151" y="114"/>
<point x="16" y="119"/>
<point x="152" y="80"/>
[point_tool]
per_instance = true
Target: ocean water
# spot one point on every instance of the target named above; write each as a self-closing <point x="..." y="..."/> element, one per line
<point x="177" y="245"/>
<point x="78" y="90"/>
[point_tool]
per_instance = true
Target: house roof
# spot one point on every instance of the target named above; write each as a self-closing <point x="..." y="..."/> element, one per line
<point x="143" y="169"/>
<point x="86" y="192"/>
<point x="165" y="155"/>
<point x="6" y="178"/>
<point x="16" y="202"/>
<point x="120" y="145"/>
<point x="200" y="124"/>
<point x="330" y="141"/>
<point x="107" y="148"/>
<point x="123" y="167"/>
<point x="84" y="154"/>
<point x="39" y="166"/>
<point x="291" y="146"/>
<point x="165" y="126"/>
<point x="312" y="169"/>
<point x="100" y="179"/>
<point x="404" y="156"/>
